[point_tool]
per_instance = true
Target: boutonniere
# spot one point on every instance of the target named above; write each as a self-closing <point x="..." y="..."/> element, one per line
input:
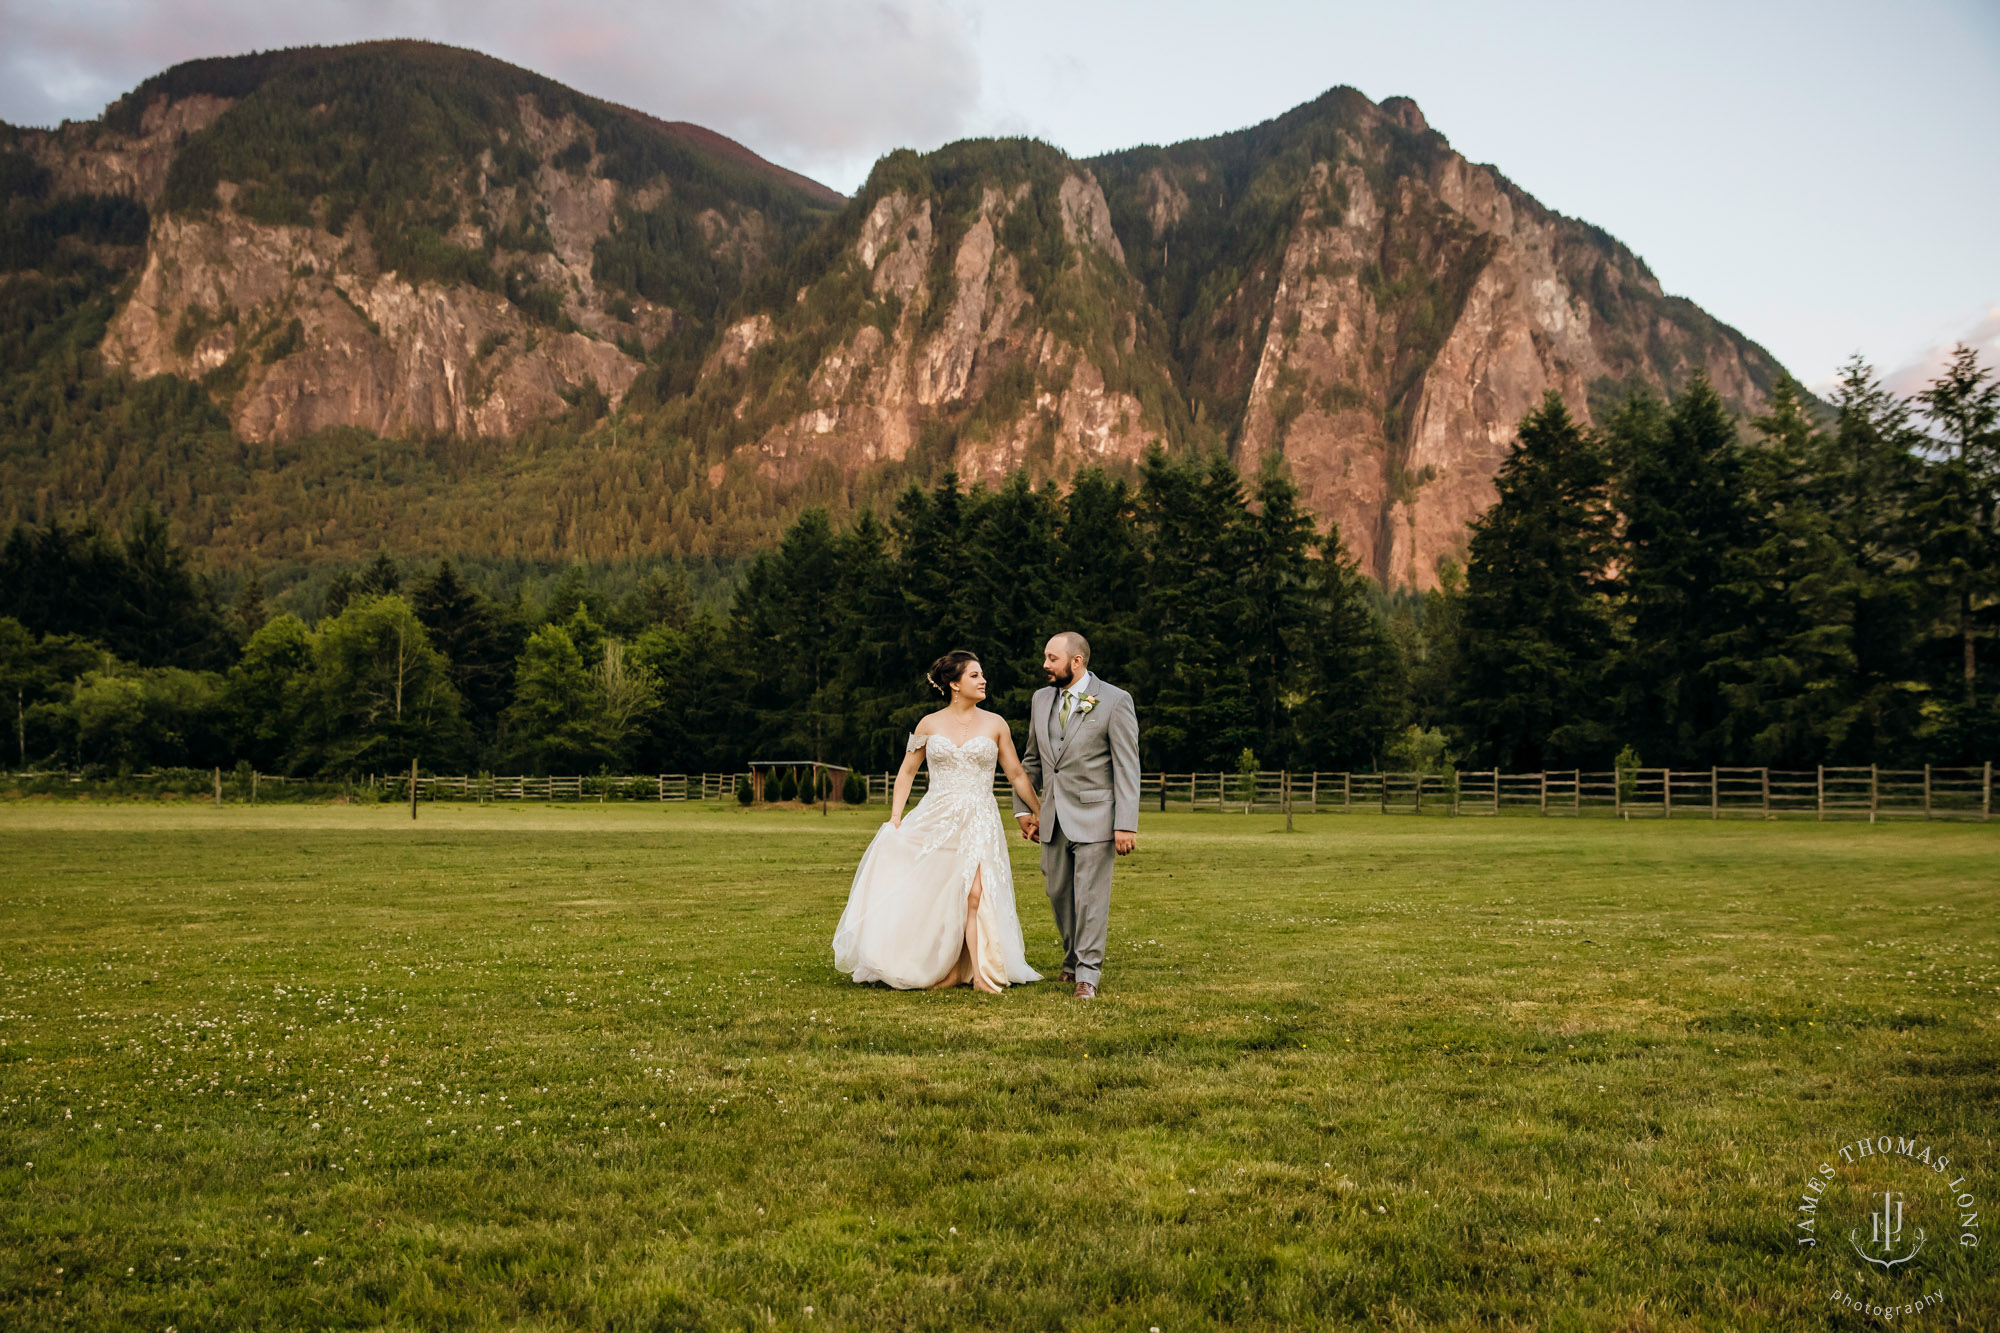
<point x="1085" y="704"/>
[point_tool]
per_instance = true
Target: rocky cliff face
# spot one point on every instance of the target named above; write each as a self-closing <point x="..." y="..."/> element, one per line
<point x="300" y="329"/>
<point x="298" y="324"/>
<point x="1336" y="288"/>
<point x="1394" y="313"/>
<point x="958" y="308"/>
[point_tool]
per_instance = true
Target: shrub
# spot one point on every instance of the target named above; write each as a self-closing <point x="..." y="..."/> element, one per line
<point x="854" y="791"/>
<point x="744" y="793"/>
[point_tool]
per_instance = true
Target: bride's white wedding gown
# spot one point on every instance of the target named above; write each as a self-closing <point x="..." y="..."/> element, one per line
<point x="905" y="917"/>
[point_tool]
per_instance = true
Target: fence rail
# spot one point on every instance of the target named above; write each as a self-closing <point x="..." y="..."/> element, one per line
<point x="1866" y="792"/>
<point x="1871" y="793"/>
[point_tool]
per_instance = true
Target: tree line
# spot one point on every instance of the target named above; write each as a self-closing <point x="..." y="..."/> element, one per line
<point x="1673" y="588"/>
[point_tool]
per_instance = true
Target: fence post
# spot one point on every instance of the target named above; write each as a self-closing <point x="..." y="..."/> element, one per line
<point x="1927" y="791"/>
<point x="1617" y="790"/>
<point x="1667" y="791"/>
<point x="1576" y="790"/>
<point x="1767" y="792"/>
<point x="1315" y="792"/>
<point x="1454" y="794"/>
<point x="1347" y="793"/>
<point x="1382" y="791"/>
<point x="1420" y="793"/>
<point x="1819" y="795"/>
<point x="1285" y="786"/>
<point x="1874" y="791"/>
<point x="218" y="787"/>
<point x="1714" y="792"/>
<point x="253" y="785"/>
<point x="413" y="789"/>
<point x="1545" y="791"/>
<point x="1986" y="789"/>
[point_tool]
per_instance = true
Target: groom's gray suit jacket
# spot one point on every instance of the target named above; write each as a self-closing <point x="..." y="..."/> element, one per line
<point x="1087" y="772"/>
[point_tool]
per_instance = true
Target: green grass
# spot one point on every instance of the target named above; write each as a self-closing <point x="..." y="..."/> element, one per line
<point x="590" y="1066"/>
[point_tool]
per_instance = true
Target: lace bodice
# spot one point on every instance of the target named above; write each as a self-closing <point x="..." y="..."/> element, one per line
<point x="959" y="769"/>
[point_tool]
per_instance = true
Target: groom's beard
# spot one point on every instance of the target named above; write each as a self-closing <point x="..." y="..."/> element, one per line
<point x="1060" y="679"/>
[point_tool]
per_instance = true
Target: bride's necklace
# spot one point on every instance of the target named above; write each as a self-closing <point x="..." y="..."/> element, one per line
<point x="970" y="733"/>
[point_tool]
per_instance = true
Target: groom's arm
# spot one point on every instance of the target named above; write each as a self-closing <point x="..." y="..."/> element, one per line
<point x="1125" y="767"/>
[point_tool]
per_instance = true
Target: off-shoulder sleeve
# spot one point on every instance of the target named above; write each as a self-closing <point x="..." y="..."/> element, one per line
<point x="916" y="742"/>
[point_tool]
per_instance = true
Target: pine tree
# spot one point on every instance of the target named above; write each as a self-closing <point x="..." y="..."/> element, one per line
<point x="1689" y="584"/>
<point x="1279" y="573"/>
<point x="1535" y="634"/>
<point x="1793" y="699"/>
<point x="1352" y="681"/>
<point x="1952" y="514"/>
<point x="1194" y="675"/>
<point x="1862" y="473"/>
<point x="480" y="641"/>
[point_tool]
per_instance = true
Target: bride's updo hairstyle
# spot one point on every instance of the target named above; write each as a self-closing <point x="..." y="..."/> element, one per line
<point x="944" y="672"/>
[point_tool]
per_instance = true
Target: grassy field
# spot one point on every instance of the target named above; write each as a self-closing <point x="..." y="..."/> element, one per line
<point x="591" y="1067"/>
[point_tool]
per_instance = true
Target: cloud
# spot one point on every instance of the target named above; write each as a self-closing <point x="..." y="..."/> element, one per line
<point x="824" y="87"/>
<point x="1983" y="338"/>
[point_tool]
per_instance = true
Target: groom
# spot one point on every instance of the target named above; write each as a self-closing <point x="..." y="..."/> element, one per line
<point x="1083" y="757"/>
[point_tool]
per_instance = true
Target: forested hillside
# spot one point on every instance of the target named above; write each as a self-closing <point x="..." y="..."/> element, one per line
<point x="1661" y="591"/>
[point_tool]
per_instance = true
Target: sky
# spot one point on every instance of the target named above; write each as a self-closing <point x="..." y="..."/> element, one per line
<point x="1823" y="176"/>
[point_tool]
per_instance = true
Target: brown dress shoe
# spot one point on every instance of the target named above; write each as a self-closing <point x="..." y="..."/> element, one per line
<point x="1068" y="977"/>
<point x="1086" y="990"/>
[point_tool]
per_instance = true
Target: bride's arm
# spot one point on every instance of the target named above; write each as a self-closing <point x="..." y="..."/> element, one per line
<point x="1017" y="776"/>
<point x="906" y="776"/>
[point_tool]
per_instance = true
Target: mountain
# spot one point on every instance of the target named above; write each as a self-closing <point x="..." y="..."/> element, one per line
<point x="315" y="302"/>
<point x="1346" y="291"/>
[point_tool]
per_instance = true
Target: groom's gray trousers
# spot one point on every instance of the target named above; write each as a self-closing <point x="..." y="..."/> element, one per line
<point x="1079" y="880"/>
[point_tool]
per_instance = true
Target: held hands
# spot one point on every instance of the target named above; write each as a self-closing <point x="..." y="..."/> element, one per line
<point x="1031" y="828"/>
<point x="1125" y="843"/>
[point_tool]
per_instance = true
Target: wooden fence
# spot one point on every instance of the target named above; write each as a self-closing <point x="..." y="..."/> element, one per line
<point x="1871" y="793"/>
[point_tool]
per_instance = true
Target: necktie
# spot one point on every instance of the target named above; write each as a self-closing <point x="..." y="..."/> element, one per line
<point x="1068" y="695"/>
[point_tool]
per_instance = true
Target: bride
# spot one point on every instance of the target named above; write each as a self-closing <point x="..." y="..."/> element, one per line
<point x="933" y="899"/>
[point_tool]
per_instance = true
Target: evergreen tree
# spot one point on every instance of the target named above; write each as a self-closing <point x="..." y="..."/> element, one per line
<point x="1793" y="699"/>
<point x="1279" y="574"/>
<point x="1424" y="626"/>
<point x="1690" y="587"/>
<point x="1195" y="674"/>
<point x="1353" y="676"/>
<point x="1952" y="515"/>
<point x="381" y="578"/>
<point x="1862" y="473"/>
<point x="140" y="596"/>
<point x="480" y="640"/>
<point x="341" y="589"/>
<point x="1010" y="573"/>
<point x="792" y="621"/>
<point x="663" y="598"/>
<point x="1099" y="554"/>
<point x="1535" y="634"/>
<point x="701" y="721"/>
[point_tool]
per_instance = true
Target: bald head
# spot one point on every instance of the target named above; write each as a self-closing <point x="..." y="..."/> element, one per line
<point x="1065" y="658"/>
